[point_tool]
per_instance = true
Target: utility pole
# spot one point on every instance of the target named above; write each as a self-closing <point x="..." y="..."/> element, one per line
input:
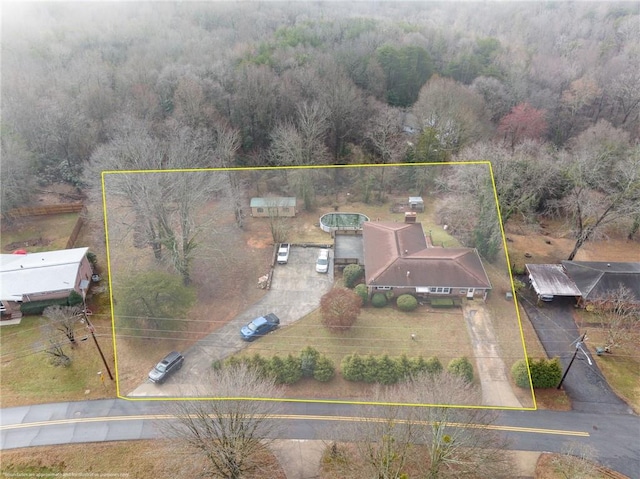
<point x="93" y="335"/>
<point x="578" y="347"/>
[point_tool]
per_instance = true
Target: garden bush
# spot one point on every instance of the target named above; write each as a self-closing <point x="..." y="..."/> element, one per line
<point x="308" y="360"/>
<point x="407" y="302"/>
<point x="388" y="370"/>
<point x="519" y="374"/>
<point x="352" y="367"/>
<point x="545" y="373"/>
<point x="461" y="367"/>
<point x="362" y="291"/>
<point x="378" y="300"/>
<point x="352" y="274"/>
<point x="324" y="370"/>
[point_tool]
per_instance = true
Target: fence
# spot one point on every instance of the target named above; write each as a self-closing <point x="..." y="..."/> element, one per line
<point x="52" y="210"/>
<point x="44" y="210"/>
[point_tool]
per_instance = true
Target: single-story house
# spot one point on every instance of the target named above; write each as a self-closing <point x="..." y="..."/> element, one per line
<point x="588" y="281"/>
<point x="397" y="257"/>
<point x="41" y="276"/>
<point x="282" y="206"/>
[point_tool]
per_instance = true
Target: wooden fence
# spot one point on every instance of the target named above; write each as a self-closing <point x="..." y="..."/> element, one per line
<point x="44" y="210"/>
<point x="76" y="231"/>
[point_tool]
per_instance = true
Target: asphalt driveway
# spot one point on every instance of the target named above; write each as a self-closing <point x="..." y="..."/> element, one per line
<point x="585" y="384"/>
<point x="295" y="291"/>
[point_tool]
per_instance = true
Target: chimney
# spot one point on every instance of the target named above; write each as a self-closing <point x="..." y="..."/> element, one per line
<point x="410" y="217"/>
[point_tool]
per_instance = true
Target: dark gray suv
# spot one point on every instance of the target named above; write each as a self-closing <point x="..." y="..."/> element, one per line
<point x="170" y="364"/>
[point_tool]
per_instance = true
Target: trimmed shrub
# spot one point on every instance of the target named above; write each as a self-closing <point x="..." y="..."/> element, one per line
<point x="388" y="370"/>
<point x="370" y="370"/>
<point x="519" y="374"/>
<point x="545" y="373"/>
<point x="433" y="366"/>
<point x="324" y="370"/>
<point x="37" y="307"/>
<point x="352" y="274"/>
<point x="352" y="367"/>
<point x="378" y="300"/>
<point x="291" y="372"/>
<point x="406" y="302"/>
<point x="362" y="291"/>
<point x="461" y="367"/>
<point x="405" y="367"/>
<point x="389" y="295"/>
<point x="308" y="361"/>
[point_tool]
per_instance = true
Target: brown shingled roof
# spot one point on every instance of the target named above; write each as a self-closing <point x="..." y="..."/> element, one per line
<point x="396" y="254"/>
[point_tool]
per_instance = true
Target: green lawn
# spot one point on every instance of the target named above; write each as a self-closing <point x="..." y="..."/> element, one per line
<point x="52" y="230"/>
<point x="377" y="331"/>
<point x="29" y="378"/>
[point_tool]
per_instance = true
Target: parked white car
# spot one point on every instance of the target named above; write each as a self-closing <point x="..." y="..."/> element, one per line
<point x="283" y="253"/>
<point x="322" y="263"/>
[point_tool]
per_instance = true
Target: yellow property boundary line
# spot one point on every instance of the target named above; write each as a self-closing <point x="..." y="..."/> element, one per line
<point x="257" y="168"/>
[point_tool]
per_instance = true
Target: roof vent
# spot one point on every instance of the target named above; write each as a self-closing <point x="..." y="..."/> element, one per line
<point x="408" y="273"/>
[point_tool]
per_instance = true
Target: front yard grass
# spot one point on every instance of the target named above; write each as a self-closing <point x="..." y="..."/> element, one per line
<point x="27" y="377"/>
<point x="438" y="333"/>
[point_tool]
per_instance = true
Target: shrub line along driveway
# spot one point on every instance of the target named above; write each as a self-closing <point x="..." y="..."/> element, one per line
<point x="585" y="384"/>
<point x="295" y="291"/>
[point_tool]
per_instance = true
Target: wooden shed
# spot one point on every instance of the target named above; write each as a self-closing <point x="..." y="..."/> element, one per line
<point x="283" y="206"/>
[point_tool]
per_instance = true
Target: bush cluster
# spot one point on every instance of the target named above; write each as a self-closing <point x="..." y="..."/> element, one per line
<point x="37" y="307"/>
<point x="384" y="369"/>
<point x="545" y="373"/>
<point x="352" y="274"/>
<point x="289" y="370"/>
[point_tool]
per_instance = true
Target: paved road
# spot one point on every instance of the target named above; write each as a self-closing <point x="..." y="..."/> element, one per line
<point x="585" y="383"/>
<point x="295" y="291"/>
<point x="613" y="437"/>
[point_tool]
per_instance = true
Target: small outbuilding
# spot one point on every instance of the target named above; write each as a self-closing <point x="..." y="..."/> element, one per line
<point x="416" y="203"/>
<point x="270" y="206"/>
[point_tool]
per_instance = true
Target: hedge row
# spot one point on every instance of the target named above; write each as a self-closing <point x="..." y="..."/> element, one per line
<point x="37" y="307"/>
<point x="384" y="369"/>
<point x="309" y="363"/>
<point x="545" y="373"/>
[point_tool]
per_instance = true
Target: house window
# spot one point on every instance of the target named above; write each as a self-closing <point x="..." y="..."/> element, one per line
<point x="383" y="288"/>
<point x="260" y="210"/>
<point x="439" y="290"/>
<point x="463" y="291"/>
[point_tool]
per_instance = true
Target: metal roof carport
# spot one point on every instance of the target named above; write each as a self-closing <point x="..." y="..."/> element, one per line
<point x="551" y="280"/>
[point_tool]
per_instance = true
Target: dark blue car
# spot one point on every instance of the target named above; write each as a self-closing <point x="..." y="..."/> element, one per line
<point x="259" y="327"/>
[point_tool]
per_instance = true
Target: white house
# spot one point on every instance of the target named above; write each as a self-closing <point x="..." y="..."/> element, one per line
<point x="41" y="276"/>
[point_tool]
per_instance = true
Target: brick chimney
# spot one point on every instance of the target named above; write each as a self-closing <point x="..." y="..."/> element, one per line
<point x="410" y="217"/>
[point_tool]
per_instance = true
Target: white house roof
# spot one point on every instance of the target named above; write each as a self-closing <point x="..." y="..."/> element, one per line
<point x="22" y="274"/>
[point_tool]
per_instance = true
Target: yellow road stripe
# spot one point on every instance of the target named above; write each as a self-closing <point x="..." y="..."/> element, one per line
<point x="521" y="429"/>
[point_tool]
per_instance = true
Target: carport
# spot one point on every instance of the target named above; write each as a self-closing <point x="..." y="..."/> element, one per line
<point x="549" y="280"/>
<point x="348" y="249"/>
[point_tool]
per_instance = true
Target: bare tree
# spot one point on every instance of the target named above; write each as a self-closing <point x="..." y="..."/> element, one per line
<point x="229" y="433"/>
<point x="621" y="315"/>
<point x="384" y="439"/>
<point x="604" y="187"/>
<point x="459" y="442"/>
<point x="53" y="344"/>
<point x="457" y="113"/>
<point x="340" y="308"/>
<point x="64" y="319"/>
<point x="396" y="439"/>
<point x="577" y="461"/>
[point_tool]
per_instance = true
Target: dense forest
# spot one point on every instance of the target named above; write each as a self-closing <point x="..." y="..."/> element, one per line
<point x="549" y="92"/>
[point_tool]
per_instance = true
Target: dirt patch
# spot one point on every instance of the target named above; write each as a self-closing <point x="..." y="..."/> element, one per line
<point x="27" y="244"/>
